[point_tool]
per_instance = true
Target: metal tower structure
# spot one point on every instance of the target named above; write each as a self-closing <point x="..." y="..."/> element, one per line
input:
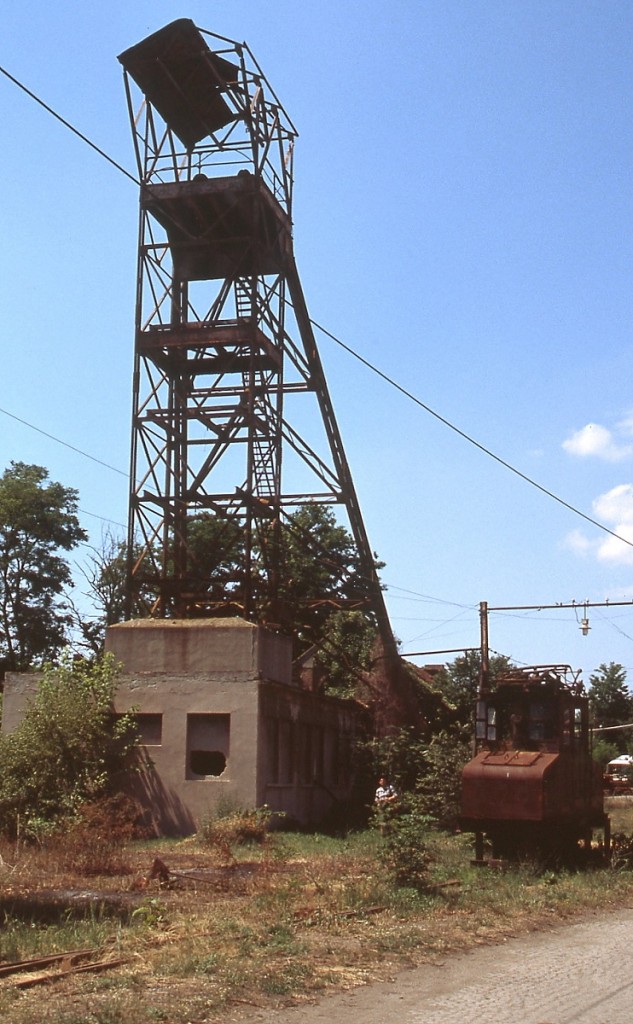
<point x="225" y="354"/>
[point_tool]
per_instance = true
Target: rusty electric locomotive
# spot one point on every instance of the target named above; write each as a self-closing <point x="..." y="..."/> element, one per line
<point x="532" y="786"/>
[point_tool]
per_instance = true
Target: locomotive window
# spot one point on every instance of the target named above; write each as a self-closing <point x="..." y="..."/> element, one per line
<point x="480" y="720"/>
<point x="485" y="724"/>
<point x="492" y="723"/>
<point x="541" y="723"/>
<point x="578" y="721"/>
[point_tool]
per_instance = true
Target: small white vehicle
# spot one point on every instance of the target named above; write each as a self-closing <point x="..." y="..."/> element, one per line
<point x="618" y="776"/>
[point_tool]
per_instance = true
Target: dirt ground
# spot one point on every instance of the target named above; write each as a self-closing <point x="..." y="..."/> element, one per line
<point x="234" y="943"/>
<point x="577" y="973"/>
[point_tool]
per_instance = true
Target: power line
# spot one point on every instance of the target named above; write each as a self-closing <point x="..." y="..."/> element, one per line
<point x="103" y="519"/>
<point x="613" y="625"/>
<point x="79" y="451"/>
<point x="67" y="124"/>
<point x="467" y="437"/>
<point x="374" y="369"/>
<point x="113" y="522"/>
<point x="445" y="650"/>
<point x="427" y="597"/>
<point x="64" y="443"/>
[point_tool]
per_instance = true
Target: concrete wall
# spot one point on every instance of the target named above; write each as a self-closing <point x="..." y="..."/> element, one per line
<point x="194" y="685"/>
<point x="181" y="791"/>
<point x="305" y="752"/>
<point x="19" y="689"/>
<point x="194" y="646"/>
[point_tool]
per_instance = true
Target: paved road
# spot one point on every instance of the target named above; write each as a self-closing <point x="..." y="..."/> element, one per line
<point x="578" y="973"/>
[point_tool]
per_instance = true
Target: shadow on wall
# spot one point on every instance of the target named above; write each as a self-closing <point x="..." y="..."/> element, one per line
<point x="163" y="812"/>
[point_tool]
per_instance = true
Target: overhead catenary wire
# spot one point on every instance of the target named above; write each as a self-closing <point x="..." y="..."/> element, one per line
<point x="614" y="626"/>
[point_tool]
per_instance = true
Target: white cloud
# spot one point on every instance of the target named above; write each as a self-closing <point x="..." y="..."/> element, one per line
<point x="616" y="505"/>
<point x="615" y="509"/>
<point x="599" y="442"/>
<point x="615" y="551"/>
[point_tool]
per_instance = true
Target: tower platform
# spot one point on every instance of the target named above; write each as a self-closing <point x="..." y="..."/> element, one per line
<point x="221" y="227"/>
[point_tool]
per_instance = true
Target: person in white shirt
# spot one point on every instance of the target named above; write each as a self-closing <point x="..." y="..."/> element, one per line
<point x="385" y="793"/>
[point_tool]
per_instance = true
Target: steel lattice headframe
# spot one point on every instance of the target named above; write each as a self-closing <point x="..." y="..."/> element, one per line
<point x="225" y="355"/>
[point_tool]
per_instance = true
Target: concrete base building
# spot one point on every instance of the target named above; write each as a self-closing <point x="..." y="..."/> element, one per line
<point x="221" y="723"/>
<point x="224" y="725"/>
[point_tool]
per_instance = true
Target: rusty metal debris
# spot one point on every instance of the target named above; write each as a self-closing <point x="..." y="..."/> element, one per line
<point x="161" y="873"/>
<point x="60" y="965"/>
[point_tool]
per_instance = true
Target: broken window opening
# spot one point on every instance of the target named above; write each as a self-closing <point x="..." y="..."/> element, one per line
<point x="208" y="740"/>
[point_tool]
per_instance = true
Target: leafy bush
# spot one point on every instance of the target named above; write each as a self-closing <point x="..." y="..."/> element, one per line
<point x="622" y="851"/>
<point x="398" y="756"/>
<point x="439" y="784"/>
<point x="67" y="750"/>
<point x="430" y="769"/>
<point x="405" y="853"/>
<point x="603" y="751"/>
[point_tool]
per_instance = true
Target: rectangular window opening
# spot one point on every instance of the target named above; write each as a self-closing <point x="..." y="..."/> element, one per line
<point x="149" y="727"/>
<point x="208" y="743"/>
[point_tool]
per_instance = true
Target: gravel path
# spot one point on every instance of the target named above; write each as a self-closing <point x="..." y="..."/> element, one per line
<point x="577" y="973"/>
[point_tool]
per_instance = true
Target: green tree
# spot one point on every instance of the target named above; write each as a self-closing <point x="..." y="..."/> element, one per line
<point x="604" y="751"/>
<point x="438" y="790"/>
<point x="459" y="681"/>
<point x="215" y="548"/>
<point x="610" y="700"/>
<point x="105" y="574"/>
<point x="67" y="749"/>
<point x="215" y="555"/>
<point x="38" y="520"/>
<point x="320" y="575"/>
<point x="345" y="651"/>
<point x="321" y="595"/>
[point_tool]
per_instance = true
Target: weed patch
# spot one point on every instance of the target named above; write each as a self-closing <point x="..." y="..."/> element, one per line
<point x="225" y="832"/>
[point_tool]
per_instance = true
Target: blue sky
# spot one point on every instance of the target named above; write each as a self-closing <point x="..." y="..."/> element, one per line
<point x="463" y="219"/>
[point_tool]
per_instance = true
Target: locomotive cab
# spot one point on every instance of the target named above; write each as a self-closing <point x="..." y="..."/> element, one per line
<point x="532" y="785"/>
